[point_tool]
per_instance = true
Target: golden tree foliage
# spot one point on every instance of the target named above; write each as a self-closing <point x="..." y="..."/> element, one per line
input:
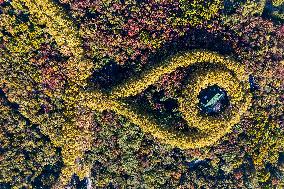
<point x="71" y="129"/>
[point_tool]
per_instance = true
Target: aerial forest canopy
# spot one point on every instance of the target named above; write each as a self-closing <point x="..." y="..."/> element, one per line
<point x="141" y="94"/>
